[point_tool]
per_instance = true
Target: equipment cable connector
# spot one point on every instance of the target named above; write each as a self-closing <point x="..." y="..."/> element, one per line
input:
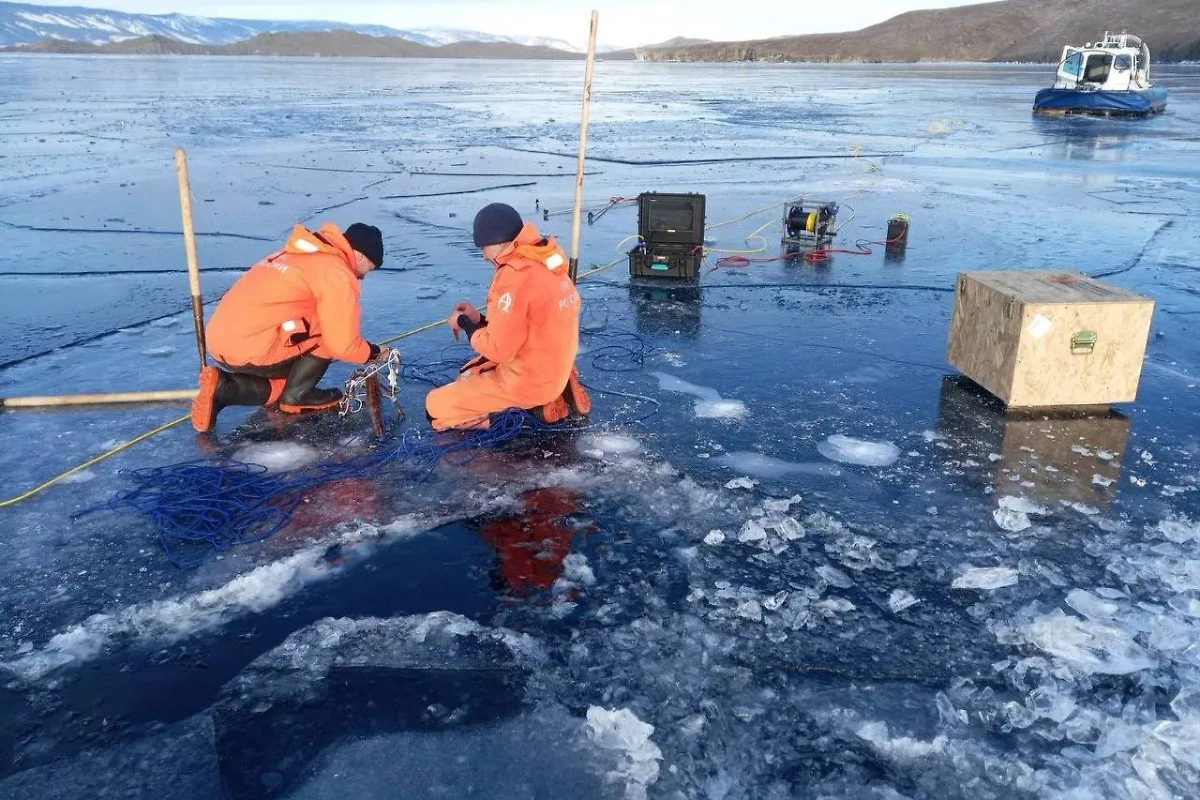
<point x="364" y="389"/>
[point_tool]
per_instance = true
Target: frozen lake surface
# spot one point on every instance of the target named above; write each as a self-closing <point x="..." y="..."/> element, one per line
<point x="824" y="568"/>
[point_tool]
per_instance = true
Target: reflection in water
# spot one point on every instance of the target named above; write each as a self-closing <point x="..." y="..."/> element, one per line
<point x="666" y="308"/>
<point x="1048" y="456"/>
<point x="1092" y="139"/>
<point x="532" y="546"/>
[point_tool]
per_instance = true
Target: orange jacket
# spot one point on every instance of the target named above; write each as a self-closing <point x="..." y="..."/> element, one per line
<point x="310" y="285"/>
<point x="533" y="320"/>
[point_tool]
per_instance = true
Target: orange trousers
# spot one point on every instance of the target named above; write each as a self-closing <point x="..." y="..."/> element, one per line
<point x="468" y="401"/>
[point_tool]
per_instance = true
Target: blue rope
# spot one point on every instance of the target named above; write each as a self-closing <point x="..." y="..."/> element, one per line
<point x="200" y="508"/>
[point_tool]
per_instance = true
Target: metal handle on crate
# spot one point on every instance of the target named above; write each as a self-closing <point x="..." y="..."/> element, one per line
<point x="1083" y="342"/>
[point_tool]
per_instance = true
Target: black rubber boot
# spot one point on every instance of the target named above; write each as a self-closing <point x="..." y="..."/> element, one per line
<point x="300" y="393"/>
<point x="220" y="389"/>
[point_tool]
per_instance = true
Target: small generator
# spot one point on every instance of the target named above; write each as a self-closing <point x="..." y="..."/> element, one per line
<point x="809" y="225"/>
<point x="670" y="236"/>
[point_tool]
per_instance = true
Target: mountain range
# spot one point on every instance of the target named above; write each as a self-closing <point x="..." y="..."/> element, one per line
<point x="1013" y="30"/>
<point x="1010" y="30"/>
<point x="329" y="44"/>
<point x="23" y="24"/>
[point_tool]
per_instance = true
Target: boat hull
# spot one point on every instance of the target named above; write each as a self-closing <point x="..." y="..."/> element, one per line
<point x="1136" y="102"/>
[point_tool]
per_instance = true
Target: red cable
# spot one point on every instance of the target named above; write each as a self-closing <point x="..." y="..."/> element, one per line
<point x="819" y="255"/>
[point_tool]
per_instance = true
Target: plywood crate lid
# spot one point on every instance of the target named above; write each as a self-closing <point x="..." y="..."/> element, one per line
<point x="1053" y="286"/>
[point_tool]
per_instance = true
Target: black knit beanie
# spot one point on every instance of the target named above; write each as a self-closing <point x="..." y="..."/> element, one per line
<point x="367" y="240"/>
<point x="497" y="224"/>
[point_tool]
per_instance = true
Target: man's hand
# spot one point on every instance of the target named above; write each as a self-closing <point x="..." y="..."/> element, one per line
<point x="468" y="309"/>
<point x="385" y="353"/>
<point x="462" y="308"/>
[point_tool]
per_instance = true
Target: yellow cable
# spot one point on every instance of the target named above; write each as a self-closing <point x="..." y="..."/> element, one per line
<point x="143" y="437"/>
<point x="600" y="268"/>
<point x="626" y="239"/>
<point x="757" y="234"/>
<point x="757" y="211"/>
<point x="428" y="326"/>
<point x="413" y="332"/>
<point x="12" y="501"/>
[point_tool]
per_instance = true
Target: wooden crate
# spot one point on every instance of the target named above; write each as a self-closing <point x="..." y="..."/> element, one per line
<point x="1038" y="338"/>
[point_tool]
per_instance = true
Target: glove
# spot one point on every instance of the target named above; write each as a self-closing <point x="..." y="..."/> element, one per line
<point x="381" y="352"/>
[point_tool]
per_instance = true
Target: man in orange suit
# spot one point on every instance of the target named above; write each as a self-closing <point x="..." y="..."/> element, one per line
<point x="529" y="337"/>
<point x="278" y="328"/>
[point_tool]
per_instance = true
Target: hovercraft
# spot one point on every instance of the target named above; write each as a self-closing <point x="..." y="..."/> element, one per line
<point x="1109" y="78"/>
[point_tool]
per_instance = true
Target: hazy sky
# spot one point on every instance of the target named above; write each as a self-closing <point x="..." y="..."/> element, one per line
<point x="622" y="22"/>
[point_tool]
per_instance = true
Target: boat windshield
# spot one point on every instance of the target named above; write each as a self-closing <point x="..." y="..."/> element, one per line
<point x="1073" y="65"/>
<point x="1098" y="67"/>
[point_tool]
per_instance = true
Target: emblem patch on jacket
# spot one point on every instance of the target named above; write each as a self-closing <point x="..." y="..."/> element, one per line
<point x="505" y="302"/>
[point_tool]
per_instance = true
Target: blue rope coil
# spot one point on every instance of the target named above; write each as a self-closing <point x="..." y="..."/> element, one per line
<point x="201" y="508"/>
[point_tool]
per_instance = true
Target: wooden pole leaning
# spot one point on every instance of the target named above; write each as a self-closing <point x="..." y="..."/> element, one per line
<point x="118" y="398"/>
<point x="189" y="244"/>
<point x="583" y="132"/>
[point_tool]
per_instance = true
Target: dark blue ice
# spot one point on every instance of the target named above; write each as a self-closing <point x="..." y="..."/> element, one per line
<point x="990" y="608"/>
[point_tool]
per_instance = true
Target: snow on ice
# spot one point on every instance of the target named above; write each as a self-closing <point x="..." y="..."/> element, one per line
<point x="845" y="450"/>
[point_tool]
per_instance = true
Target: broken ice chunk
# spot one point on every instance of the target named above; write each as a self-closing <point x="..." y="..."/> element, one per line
<point x="693" y="725"/>
<point x="1187" y="603"/>
<point x="901" y="599"/>
<point x="1011" y="521"/>
<point x="752" y="532"/>
<point x="750" y="610"/>
<point x="741" y="483"/>
<point x="784" y="505"/>
<point x="1091" y="606"/>
<point x="790" y="529"/>
<point x="835" y="605"/>
<point x="1179" y="531"/>
<point x="775" y="601"/>
<point x="835" y="577"/>
<point x="1186" y="705"/>
<point x="903" y="747"/>
<point x="577" y="570"/>
<point x="621" y="731"/>
<point x="714" y="538"/>
<point x="1022" y="504"/>
<point x="986" y="578"/>
<point x="1088" y="646"/>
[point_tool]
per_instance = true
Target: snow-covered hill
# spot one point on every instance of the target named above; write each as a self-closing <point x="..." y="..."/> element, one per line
<point x="22" y="23"/>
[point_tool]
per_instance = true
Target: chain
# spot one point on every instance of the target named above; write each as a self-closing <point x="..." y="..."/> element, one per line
<point x="354" y="397"/>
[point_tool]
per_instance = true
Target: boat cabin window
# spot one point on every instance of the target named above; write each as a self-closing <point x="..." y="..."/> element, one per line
<point x="1073" y="65"/>
<point x="1123" y="63"/>
<point x="1098" y="67"/>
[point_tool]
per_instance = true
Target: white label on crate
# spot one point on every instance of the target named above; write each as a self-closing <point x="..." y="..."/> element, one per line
<point x="1039" y="327"/>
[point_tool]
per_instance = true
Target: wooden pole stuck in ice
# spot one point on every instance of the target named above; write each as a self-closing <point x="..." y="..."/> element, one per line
<point x="189" y="244"/>
<point x="59" y="401"/>
<point x="583" y="131"/>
